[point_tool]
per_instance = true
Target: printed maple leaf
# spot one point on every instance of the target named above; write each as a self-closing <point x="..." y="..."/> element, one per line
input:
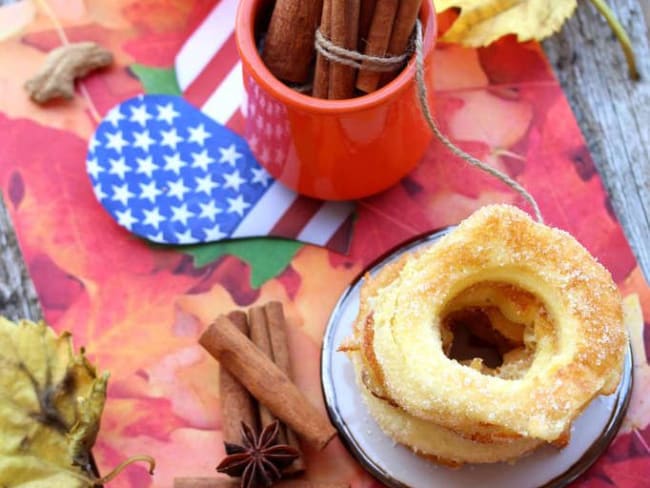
<point x="158" y="396"/>
<point x="314" y="302"/>
<point x="625" y="463"/>
<point x="157" y="40"/>
<point x="160" y="15"/>
<point x="631" y="473"/>
<point x="385" y="221"/>
<point x="309" y="308"/>
<point x="475" y="120"/>
<point x="449" y="188"/>
<point x="507" y="61"/>
<point x="556" y="159"/>
<point x="71" y="239"/>
<point x="457" y="68"/>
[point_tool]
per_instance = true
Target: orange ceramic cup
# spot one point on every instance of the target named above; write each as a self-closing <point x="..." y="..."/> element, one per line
<point x="332" y="149"/>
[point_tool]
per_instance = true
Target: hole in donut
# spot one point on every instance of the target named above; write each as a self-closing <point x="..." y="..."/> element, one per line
<point x="474" y="338"/>
<point x="493" y="328"/>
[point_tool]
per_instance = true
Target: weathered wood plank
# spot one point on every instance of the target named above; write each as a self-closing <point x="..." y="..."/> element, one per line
<point x="17" y="295"/>
<point x="612" y="110"/>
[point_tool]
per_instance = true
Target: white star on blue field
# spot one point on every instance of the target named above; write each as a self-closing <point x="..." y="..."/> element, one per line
<point x="170" y="174"/>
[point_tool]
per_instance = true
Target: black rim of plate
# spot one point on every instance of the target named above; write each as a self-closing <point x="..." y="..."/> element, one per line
<point x="589" y="457"/>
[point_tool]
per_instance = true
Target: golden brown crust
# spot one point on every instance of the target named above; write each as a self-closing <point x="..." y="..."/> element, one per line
<point x="435" y="442"/>
<point x="546" y="296"/>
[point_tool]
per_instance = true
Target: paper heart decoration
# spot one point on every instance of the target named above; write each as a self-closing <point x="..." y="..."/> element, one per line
<point x="170" y="174"/>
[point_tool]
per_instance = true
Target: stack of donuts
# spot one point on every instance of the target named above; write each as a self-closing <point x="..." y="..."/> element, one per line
<point x="550" y="310"/>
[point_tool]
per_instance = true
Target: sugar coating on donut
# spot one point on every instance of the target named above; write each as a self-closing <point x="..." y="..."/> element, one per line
<point x="579" y="347"/>
<point x="442" y="445"/>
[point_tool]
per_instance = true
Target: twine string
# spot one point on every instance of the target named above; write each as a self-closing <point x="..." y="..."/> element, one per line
<point x="426" y="111"/>
<point x="355" y="59"/>
<point x="47" y="9"/>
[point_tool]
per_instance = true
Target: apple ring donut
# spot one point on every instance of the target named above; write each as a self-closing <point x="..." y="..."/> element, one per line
<point x="568" y="331"/>
<point x="438" y="443"/>
<point x="513" y="312"/>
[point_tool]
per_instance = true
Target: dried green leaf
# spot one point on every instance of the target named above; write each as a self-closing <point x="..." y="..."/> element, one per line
<point x="156" y="80"/>
<point x="267" y="257"/>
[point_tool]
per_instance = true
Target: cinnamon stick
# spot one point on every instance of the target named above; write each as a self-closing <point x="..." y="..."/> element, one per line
<point x="378" y="40"/>
<point x="232" y="483"/>
<point x="345" y="33"/>
<point x="266" y="382"/>
<point x="277" y="327"/>
<point x="260" y="336"/>
<point x="289" y="43"/>
<point x="237" y="405"/>
<point x="407" y="14"/>
<point x="367" y="11"/>
<point x="322" y="71"/>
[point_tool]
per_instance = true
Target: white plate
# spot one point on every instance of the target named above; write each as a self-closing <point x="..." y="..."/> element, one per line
<point x="397" y="466"/>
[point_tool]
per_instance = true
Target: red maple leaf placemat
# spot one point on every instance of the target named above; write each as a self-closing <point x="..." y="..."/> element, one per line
<point x="139" y="309"/>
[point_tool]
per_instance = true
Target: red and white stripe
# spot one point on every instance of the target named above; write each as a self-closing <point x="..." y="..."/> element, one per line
<point x="208" y="67"/>
<point x="209" y="73"/>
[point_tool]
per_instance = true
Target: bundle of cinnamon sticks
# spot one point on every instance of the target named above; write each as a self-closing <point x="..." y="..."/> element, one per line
<point x="380" y="28"/>
<point x="255" y="380"/>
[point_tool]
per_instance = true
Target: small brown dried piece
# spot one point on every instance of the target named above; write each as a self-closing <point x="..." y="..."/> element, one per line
<point x="62" y="66"/>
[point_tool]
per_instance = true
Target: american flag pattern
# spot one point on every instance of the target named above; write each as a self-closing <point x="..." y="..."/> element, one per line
<point x="209" y="73"/>
<point x="170" y="174"/>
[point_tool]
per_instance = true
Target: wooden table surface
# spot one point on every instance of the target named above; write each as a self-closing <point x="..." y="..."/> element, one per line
<point x="612" y="110"/>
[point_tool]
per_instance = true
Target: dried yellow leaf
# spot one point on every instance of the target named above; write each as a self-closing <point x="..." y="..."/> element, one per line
<point x="483" y="21"/>
<point x="51" y="401"/>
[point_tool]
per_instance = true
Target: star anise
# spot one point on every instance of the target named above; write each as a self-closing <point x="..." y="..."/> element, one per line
<point x="260" y="459"/>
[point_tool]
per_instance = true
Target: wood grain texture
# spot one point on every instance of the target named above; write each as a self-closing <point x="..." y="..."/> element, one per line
<point x="612" y="110"/>
<point x="17" y="295"/>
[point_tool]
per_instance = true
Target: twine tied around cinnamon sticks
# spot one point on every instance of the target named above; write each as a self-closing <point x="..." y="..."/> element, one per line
<point x="355" y="59"/>
<point x="376" y="26"/>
